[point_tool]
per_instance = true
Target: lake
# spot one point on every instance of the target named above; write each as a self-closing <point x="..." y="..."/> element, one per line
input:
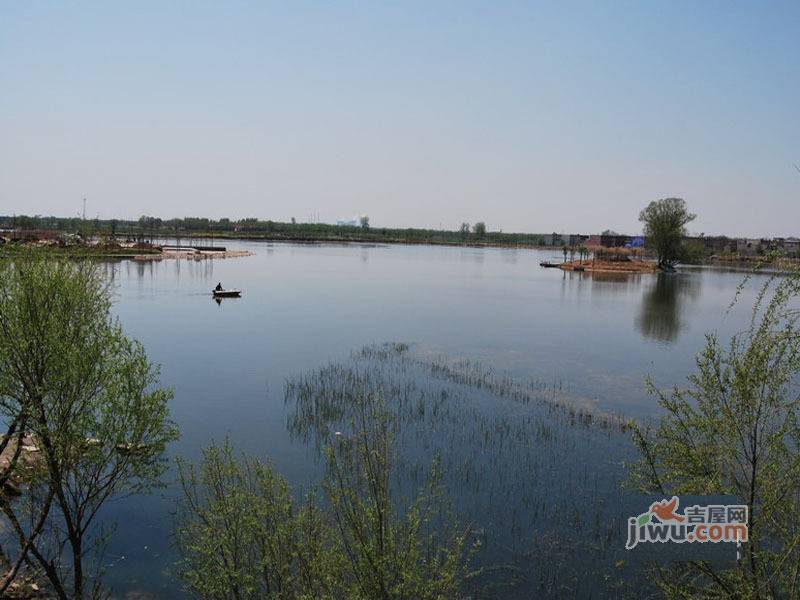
<point x="518" y="472"/>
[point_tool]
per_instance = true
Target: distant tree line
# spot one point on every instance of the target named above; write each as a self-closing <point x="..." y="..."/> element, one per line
<point x="149" y="226"/>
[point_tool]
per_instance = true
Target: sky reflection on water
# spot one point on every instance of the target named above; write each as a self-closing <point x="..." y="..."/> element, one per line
<point x="593" y="338"/>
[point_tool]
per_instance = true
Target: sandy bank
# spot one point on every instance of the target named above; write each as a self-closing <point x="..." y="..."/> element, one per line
<point x="610" y="266"/>
<point x="193" y="255"/>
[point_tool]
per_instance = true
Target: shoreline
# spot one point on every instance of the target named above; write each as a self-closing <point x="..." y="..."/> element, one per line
<point x="126" y="252"/>
<point x="364" y="240"/>
<point x="130" y="253"/>
<point x="195" y="255"/>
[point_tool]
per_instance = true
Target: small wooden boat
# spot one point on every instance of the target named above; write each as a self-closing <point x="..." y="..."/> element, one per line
<point x="548" y="265"/>
<point x="226" y="293"/>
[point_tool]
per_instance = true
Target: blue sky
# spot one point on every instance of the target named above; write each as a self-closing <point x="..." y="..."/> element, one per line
<point x="564" y="116"/>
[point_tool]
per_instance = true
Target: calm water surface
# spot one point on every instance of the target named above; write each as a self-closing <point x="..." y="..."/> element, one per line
<point x="592" y="338"/>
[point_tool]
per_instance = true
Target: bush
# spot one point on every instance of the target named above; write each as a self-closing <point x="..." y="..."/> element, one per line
<point x="241" y="534"/>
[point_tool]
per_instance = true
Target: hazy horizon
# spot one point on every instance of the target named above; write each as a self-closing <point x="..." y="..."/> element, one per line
<point x="566" y="117"/>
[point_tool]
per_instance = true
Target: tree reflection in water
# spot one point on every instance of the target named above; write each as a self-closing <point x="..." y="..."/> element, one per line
<point x="663" y="305"/>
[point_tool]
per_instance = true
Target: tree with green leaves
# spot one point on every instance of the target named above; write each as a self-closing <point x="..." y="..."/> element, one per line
<point x="364" y="221"/>
<point x="85" y="397"/>
<point x="735" y="430"/>
<point x="664" y="229"/>
<point x="241" y="535"/>
<point x="391" y="554"/>
<point x="479" y="229"/>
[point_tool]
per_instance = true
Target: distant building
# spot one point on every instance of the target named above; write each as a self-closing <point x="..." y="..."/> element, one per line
<point x="788" y="246"/>
<point x="718" y="244"/>
<point x="748" y="246"/>
<point x="576" y="239"/>
<point x="593" y="240"/>
<point x="791" y="246"/>
<point x="766" y="244"/>
<point x="614" y="240"/>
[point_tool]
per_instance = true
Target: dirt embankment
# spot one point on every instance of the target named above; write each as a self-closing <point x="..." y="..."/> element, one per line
<point x="193" y="255"/>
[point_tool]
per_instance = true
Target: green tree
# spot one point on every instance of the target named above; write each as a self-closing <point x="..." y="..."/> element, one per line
<point x="26" y="222"/>
<point x="693" y="252"/>
<point x="86" y="396"/>
<point x="665" y="227"/>
<point x="479" y="229"/>
<point x="464" y="230"/>
<point x="390" y="555"/>
<point x="241" y="535"/>
<point x="364" y="221"/>
<point x="734" y="430"/>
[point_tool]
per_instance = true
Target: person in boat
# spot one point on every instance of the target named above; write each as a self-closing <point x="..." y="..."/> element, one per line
<point x="219" y="287"/>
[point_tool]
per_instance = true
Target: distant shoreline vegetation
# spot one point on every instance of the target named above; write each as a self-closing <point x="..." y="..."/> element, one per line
<point x="100" y="251"/>
<point x="697" y="249"/>
<point x="148" y="227"/>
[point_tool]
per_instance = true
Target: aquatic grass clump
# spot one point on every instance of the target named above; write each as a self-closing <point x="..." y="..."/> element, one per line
<point x="505" y="385"/>
<point x="518" y="461"/>
<point x="501" y="384"/>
